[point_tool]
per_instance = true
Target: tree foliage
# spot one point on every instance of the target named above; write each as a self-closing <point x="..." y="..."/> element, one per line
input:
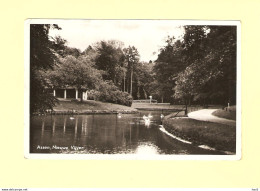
<point x="201" y="66"/>
<point x="42" y="57"/>
<point x="110" y="59"/>
<point x="75" y="72"/>
<point x="169" y="63"/>
<point x="211" y="75"/>
<point x="132" y="59"/>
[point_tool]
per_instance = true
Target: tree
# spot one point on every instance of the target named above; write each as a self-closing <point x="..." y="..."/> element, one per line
<point x="72" y="51"/>
<point x="223" y="39"/>
<point x="132" y="58"/>
<point x="194" y="42"/>
<point x="42" y="58"/>
<point x="59" y="45"/>
<point x="183" y="88"/>
<point x="169" y="63"/>
<point x="75" y="72"/>
<point x="110" y="59"/>
<point x="42" y="54"/>
<point x="91" y="53"/>
<point x="212" y="72"/>
<point x="143" y="78"/>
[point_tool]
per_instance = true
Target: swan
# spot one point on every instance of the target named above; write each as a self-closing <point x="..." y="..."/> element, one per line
<point x="145" y="117"/>
<point x="146" y="120"/>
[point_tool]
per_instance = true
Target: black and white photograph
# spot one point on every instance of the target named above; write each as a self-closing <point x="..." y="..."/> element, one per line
<point x="152" y="89"/>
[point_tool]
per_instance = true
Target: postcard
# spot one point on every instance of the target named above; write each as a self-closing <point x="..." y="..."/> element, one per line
<point x="132" y="89"/>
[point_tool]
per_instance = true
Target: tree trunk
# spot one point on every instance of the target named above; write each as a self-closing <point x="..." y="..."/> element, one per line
<point x="131" y="82"/>
<point x="127" y="83"/>
<point x="124" y="81"/>
<point x="138" y="93"/>
<point x="186" y="107"/>
<point x="81" y="95"/>
<point x="145" y="94"/>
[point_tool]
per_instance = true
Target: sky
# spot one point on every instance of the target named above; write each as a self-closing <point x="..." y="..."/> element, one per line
<point x="148" y="36"/>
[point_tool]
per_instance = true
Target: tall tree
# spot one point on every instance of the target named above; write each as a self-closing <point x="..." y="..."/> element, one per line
<point x="194" y="42"/>
<point x="143" y="77"/>
<point x="169" y="63"/>
<point x="42" y="57"/>
<point x="213" y="64"/>
<point x="132" y="58"/>
<point x="223" y="40"/>
<point x="109" y="59"/>
<point x="91" y="53"/>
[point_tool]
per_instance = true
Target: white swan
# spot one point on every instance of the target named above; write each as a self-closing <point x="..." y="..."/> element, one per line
<point x="147" y="120"/>
<point x="147" y="117"/>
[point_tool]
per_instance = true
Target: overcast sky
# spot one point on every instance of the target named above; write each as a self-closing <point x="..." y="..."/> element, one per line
<point x="148" y="36"/>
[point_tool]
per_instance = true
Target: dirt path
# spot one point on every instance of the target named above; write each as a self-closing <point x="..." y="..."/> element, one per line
<point x="206" y="115"/>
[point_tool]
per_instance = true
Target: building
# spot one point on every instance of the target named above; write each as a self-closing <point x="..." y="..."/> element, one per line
<point x="69" y="93"/>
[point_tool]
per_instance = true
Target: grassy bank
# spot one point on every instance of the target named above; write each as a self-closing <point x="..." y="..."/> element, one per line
<point x="168" y="106"/>
<point x="227" y="113"/>
<point x="90" y="105"/>
<point x="221" y="137"/>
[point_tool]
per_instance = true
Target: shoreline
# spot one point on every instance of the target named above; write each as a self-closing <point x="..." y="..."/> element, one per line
<point x="203" y="146"/>
<point x="86" y="112"/>
<point x="201" y="133"/>
<point x="158" y="109"/>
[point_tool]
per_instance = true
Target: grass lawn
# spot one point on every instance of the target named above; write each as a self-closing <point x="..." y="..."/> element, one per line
<point x="155" y="105"/>
<point x="168" y="106"/>
<point x="221" y="137"/>
<point x="226" y="113"/>
<point x="89" y="105"/>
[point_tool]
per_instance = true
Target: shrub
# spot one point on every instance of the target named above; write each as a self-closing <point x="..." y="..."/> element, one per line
<point x="92" y="95"/>
<point x="110" y="93"/>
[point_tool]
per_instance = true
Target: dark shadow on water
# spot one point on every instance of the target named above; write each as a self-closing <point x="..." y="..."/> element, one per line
<point x="109" y="134"/>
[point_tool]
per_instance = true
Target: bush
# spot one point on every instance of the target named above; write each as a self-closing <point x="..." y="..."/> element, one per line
<point x="92" y="95"/>
<point x="109" y="93"/>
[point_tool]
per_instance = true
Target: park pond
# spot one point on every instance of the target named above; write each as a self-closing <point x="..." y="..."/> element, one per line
<point x="106" y="134"/>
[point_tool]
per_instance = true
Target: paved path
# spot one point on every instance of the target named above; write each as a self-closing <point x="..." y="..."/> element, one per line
<point x="206" y="115"/>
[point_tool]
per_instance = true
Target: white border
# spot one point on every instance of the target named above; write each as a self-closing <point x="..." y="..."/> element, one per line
<point x="28" y="155"/>
<point x="135" y="189"/>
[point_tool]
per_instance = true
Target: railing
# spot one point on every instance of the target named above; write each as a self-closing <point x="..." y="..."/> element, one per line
<point x="181" y="111"/>
<point x="145" y="101"/>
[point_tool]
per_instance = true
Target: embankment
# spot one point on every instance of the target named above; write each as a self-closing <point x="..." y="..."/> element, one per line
<point x="219" y="136"/>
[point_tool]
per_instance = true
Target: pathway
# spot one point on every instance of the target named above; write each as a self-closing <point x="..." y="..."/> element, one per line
<point x="206" y="115"/>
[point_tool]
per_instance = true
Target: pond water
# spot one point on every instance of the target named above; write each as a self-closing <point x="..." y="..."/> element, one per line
<point x="107" y="134"/>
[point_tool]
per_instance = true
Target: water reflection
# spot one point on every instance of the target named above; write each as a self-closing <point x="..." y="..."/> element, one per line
<point x="147" y="149"/>
<point x="64" y="125"/>
<point x="109" y="134"/>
